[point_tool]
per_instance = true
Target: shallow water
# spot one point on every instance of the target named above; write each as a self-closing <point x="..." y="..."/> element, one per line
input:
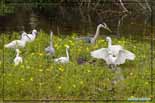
<point x="67" y="20"/>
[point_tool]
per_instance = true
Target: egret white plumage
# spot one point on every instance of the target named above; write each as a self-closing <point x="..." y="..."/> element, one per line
<point x="113" y="48"/>
<point x="50" y="49"/>
<point x="30" y="37"/>
<point x="63" y="60"/>
<point x="113" y="55"/>
<point x="92" y="39"/>
<point x="16" y="44"/>
<point x="24" y="35"/>
<point x="18" y="59"/>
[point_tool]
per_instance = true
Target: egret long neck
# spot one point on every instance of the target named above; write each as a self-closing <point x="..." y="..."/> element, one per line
<point x="17" y="55"/>
<point x="51" y="42"/>
<point x="34" y="34"/>
<point x="97" y="32"/>
<point x="109" y="43"/>
<point x="67" y="53"/>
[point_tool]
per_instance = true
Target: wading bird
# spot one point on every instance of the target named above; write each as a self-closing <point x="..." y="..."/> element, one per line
<point x="113" y="48"/>
<point x="18" y="59"/>
<point x="30" y="37"/>
<point x="63" y="60"/>
<point x="16" y="43"/>
<point x="50" y="49"/>
<point x="113" y="55"/>
<point x="24" y="35"/>
<point x="92" y="40"/>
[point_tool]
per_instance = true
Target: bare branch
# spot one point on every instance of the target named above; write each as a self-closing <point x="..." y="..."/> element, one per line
<point x="122" y="5"/>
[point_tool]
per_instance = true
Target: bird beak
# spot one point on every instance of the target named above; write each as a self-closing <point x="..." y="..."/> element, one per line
<point x="108" y="29"/>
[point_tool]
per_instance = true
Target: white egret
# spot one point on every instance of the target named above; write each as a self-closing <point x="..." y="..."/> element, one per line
<point x="30" y="37"/>
<point x="50" y="49"/>
<point x="18" y="59"/>
<point x="113" y="48"/>
<point x="113" y="55"/>
<point x="63" y="60"/>
<point x="24" y="35"/>
<point x="92" y="40"/>
<point x="16" y="44"/>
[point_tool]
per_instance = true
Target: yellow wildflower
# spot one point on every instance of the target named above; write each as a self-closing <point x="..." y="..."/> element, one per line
<point x="31" y="79"/>
<point x="32" y="54"/>
<point x="81" y="82"/>
<point x="132" y="97"/>
<point x="59" y="87"/>
<point x="28" y="67"/>
<point x="74" y="86"/>
<point x="22" y="79"/>
<point x="134" y="46"/>
<point x="72" y="44"/>
<point x="87" y="49"/>
<point x="47" y="69"/>
<point x="88" y="71"/>
<point x="9" y="74"/>
<point x="61" y="69"/>
<point x="40" y="54"/>
<point x="56" y="45"/>
<point x="146" y="83"/>
<point x="40" y="70"/>
<point x="70" y="41"/>
<point x="66" y="45"/>
<point x="40" y="84"/>
<point x="59" y="39"/>
<point x="79" y="49"/>
<point x="131" y="73"/>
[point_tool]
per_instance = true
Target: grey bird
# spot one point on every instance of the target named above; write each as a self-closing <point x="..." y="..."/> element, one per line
<point x="92" y="39"/>
<point x="50" y="49"/>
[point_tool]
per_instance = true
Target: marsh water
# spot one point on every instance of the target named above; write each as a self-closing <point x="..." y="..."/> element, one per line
<point x="66" y="20"/>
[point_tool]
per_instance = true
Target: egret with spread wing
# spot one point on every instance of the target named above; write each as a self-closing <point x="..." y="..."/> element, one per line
<point x="113" y="55"/>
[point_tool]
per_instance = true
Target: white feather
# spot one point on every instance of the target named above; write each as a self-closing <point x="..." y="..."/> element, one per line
<point x="100" y="53"/>
<point x="16" y="44"/>
<point x="114" y="54"/>
<point x="123" y="56"/>
<point x="30" y="37"/>
<point x="18" y="59"/>
<point x="50" y="49"/>
<point x="63" y="60"/>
